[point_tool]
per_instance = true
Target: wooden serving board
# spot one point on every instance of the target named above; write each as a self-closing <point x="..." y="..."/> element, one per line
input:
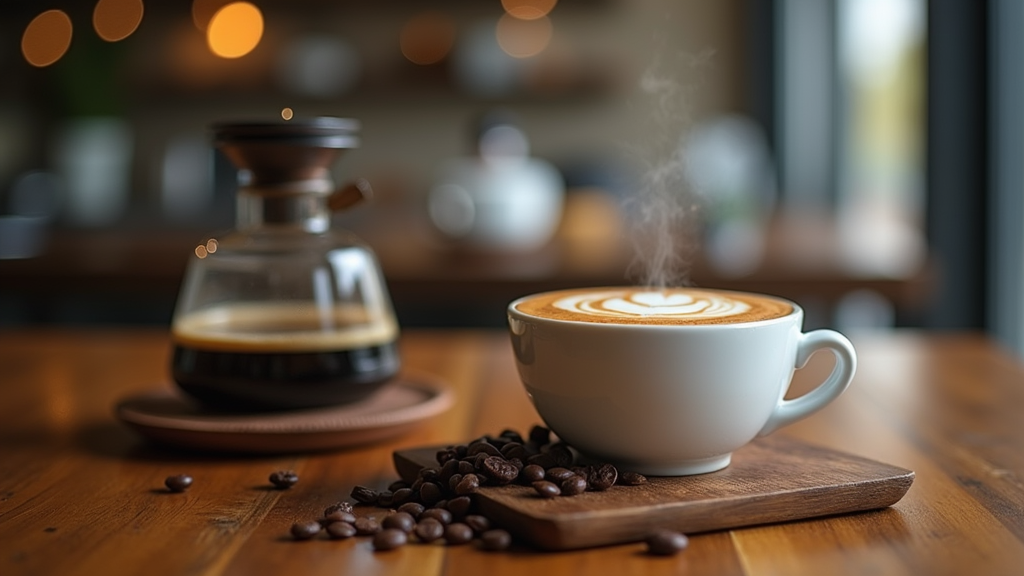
<point x="773" y="479"/>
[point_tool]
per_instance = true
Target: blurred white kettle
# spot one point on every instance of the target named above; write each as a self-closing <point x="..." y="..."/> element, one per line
<point x="500" y="199"/>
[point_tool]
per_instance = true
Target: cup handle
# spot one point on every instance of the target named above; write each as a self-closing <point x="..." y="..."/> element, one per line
<point x="789" y="411"/>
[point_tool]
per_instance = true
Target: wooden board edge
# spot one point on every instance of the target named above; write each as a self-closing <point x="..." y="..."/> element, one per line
<point x="569" y="531"/>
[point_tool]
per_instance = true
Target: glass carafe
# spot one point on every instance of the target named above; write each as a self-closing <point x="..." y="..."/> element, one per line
<point x="284" y="311"/>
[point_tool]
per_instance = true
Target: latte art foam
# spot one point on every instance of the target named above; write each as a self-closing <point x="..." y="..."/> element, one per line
<point x="647" y="304"/>
<point x="654" y="306"/>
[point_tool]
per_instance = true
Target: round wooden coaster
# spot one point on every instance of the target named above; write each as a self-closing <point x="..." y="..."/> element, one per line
<point x="169" y="417"/>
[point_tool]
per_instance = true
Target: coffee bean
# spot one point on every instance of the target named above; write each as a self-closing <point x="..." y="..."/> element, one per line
<point x="497" y="441"/>
<point x="540" y="435"/>
<point x="466" y="468"/>
<point x="478" y="523"/>
<point x="398" y="485"/>
<point x="401" y="496"/>
<point x="632" y="479"/>
<point x="385" y="499"/>
<point x="573" y="486"/>
<point x="366" y="526"/>
<point x="339" y="516"/>
<point x="666" y="542"/>
<point x="429" y="529"/>
<point x="458" y="533"/>
<point x="558" y="474"/>
<point x="414" y="509"/>
<point x="514" y="450"/>
<point x="512" y="436"/>
<point x="531" y="473"/>
<point x="305" y="530"/>
<point x="544" y="460"/>
<point x="283" y="479"/>
<point x="547" y="489"/>
<point x="478" y="461"/>
<point x="602" y="477"/>
<point x="389" y="539"/>
<point x="453" y="482"/>
<point x="429" y="474"/>
<point x="469" y="484"/>
<point x="495" y="540"/>
<point x="178" y="482"/>
<point x="441" y="515"/>
<point x="339" y="530"/>
<point x="443" y="504"/>
<point x="401" y="520"/>
<point x="482" y="447"/>
<point x="342" y="506"/>
<point x="500" y="470"/>
<point x="364" y="495"/>
<point x="430" y="493"/>
<point x="561" y="454"/>
<point x="449" y="469"/>
<point x="460" y="506"/>
<point x="445" y="455"/>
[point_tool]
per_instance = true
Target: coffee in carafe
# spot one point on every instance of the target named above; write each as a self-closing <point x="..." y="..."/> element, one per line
<point x="284" y="311"/>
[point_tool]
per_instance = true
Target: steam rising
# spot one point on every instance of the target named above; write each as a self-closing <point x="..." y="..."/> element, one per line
<point x="664" y="227"/>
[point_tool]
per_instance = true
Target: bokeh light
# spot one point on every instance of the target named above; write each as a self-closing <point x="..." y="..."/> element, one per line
<point x="287" y="114"/>
<point x="427" y="38"/>
<point x="203" y="11"/>
<point x="115" y="20"/>
<point x="528" y="9"/>
<point x="523" y="38"/>
<point x="235" y="30"/>
<point x="46" y="38"/>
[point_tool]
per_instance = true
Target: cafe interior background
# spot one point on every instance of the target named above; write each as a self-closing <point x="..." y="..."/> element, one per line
<point x="862" y="157"/>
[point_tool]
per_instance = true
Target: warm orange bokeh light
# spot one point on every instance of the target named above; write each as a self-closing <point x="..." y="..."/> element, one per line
<point x="235" y="30"/>
<point x="46" y="38"/>
<point x="427" y="38"/>
<point x="523" y="38"/>
<point x="115" y="20"/>
<point x="203" y="11"/>
<point x="528" y="9"/>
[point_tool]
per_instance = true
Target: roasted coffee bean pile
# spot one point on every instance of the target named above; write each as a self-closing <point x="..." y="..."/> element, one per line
<point x="439" y="504"/>
<point x="510" y="458"/>
<point x="411" y="522"/>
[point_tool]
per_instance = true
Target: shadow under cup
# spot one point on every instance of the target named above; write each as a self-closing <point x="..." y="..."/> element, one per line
<point x="669" y="399"/>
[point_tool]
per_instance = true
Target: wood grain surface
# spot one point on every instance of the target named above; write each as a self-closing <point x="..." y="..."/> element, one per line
<point x="82" y="494"/>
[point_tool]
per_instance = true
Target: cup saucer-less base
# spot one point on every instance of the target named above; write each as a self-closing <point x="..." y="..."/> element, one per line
<point x="703" y="466"/>
<point x="169" y="417"/>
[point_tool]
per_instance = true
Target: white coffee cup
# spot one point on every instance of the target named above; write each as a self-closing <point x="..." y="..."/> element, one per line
<point x="662" y="396"/>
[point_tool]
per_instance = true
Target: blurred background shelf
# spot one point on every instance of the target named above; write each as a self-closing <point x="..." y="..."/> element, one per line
<point x="132" y="276"/>
<point x="894" y="125"/>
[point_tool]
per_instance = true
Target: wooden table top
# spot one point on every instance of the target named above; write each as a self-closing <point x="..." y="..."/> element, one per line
<point x="82" y="494"/>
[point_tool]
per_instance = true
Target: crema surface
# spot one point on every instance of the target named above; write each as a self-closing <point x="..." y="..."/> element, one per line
<point x="283" y="326"/>
<point x="670" y="306"/>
